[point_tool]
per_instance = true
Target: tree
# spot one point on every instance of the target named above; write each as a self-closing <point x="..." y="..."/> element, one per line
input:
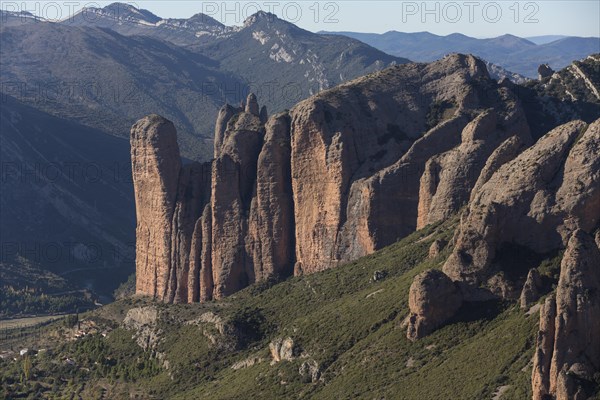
<point x="27" y="367"/>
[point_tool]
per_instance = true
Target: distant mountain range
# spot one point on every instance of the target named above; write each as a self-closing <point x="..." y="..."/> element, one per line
<point x="128" y="20"/>
<point x="513" y="53"/>
<point x="106" y="81"/>
<point x="182" y="69"/>
<point x="277" y="59"/>
<point x="284" y="63"/>
<point x="545" y="38"/>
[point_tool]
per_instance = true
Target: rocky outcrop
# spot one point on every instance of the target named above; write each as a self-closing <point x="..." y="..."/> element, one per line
<point x="142" y="321"/>
<point x="507" y="151"/>
<point x="527" y="201"/>
<point x="225" y="114"/>
<point x="282" y="350"/>
<point x="544" y="71"/>
<point x="200" y="286"/>
<point x="155" y="166"/>
<point x="252" y="209"/>
<point x="568" y="94"/>
<point x="531" y="290"/>
<point x="192" y="194"/>
<point x="542" y="358"/>
<point x="270" y="240"/>
<point x="212" y="229"/>
<point x="535" y="201"/>
<point x="310" y="369"/>
<point x="456" y="172"/>
<point x="436" y="248"/>
<point x="169" y="198"/>
<point x="568" y="350"/>
<point x="233" y="184"/>
<point x="206" y="272"/>
<point x="433" y="299"/>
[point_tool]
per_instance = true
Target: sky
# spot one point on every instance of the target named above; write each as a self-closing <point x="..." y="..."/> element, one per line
<point x="474" y="18"/>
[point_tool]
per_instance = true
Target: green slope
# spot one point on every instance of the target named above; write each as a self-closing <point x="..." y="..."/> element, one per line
<point x="339" y="319"/>
<point x="360" y="344"/>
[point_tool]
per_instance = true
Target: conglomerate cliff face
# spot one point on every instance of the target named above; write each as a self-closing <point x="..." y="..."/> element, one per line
<point x="156" y="165"/>
<point x="379" y="157"/>
<point x="568" y="349"/>
<point x="534" y="201"/>
<point x="352" y="170"/>
<point x="341" y="175"/>
<point x="531" y="204"/>
<point x="208" y="230"/>
<point x="169" y="198"/>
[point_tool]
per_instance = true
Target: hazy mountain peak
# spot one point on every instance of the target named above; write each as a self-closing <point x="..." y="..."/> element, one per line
<point x="205" y="19"/>
<point x="127" y="11"/>
<point x="260" y="16"/>
<point x="456" y="35"/>
<point x="511" y="40"/>
<point x="197" y="23"/>
<point x="544" y="39"/>
<point x="117" y="12"/>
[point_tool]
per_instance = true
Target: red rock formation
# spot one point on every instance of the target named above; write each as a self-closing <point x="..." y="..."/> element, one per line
<point x="535" y="200"/>
<point x="542" y="358"/>
<point x="169" y="199"/>
<point x="155" y="167"/>
<point x="192" y="195"/>
<point x="357" y="167"/>
<point x="531" y="290"/>
<point x="270" y="239"/>
<point x="206" y="272"/>
<point x="359" y="151"/>
<point x="352" y="170"/>
<point x="568" y="349"/>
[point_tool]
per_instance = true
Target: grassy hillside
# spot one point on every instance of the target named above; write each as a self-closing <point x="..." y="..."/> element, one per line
<point x="344" y="324"/>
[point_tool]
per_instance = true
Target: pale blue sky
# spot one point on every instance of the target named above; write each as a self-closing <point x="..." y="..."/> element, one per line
<point x="473" y="18"/>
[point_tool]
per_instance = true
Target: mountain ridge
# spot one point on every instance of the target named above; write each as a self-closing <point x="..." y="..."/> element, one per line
<point x="509" y="51"/>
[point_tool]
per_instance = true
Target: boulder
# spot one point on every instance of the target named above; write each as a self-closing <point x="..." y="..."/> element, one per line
<point x="433" y="299"/>
<point x="436" y="248"/>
